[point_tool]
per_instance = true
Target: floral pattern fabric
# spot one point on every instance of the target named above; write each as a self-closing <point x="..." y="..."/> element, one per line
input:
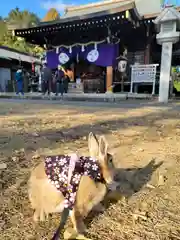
<point x="57" y="168"/>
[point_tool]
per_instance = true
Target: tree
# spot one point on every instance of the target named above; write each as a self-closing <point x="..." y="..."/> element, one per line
<point x="21" y="19"/>
<point x="18" y="19"/>
<point x="51" y="15"/>
<point x="3" y="28"/>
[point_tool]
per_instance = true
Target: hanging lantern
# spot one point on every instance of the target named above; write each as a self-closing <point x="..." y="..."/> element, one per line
<point x="127" y="14"/>
<point x="95" y="46"/>
<point x="33" y="67"/>
<point x="122" y="65"/>
<point x="82" y="48"/>
<point x="57" y="50"/>
<point x="70" y="49"/>
<point x="108" y="39"/>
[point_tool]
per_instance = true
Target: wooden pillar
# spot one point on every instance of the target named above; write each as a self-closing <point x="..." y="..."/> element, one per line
<point x="147" y="54"/>
<point x="109" y="78"/>
<point x="73" y="72"/>
<point x="147" y="51"/>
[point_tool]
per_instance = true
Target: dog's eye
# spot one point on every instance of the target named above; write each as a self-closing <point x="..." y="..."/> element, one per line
<point x="110" y="161"/>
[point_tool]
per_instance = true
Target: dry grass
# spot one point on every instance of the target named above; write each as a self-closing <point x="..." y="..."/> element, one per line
<point x="140" y="139"/>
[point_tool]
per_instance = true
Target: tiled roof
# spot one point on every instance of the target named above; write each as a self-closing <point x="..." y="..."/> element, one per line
<point x="96" y="7"/>
<point x="144" y="7"/>
<point x="92" y="10"/>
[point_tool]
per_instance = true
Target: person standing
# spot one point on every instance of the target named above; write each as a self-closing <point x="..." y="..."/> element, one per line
<point x="66" y="82"/>
<point x="46" y="79"/>
<point x="59" y="76"/>
<point x="19" y="81"/>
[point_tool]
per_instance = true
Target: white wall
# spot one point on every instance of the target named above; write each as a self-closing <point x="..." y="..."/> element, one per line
<point x="5" y="76"/>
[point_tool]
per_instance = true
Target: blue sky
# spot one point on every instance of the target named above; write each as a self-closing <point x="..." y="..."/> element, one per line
<point x="39" y="7"/>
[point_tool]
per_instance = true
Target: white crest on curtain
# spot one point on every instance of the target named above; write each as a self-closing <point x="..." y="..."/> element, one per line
<point x="93" y="55"/>
<point x="63" y="58"/>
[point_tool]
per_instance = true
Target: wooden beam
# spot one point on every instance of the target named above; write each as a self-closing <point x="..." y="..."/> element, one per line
<point x="147" y="50"/>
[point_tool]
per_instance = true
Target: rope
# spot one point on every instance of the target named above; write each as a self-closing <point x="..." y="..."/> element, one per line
<point x="81" y="44"/>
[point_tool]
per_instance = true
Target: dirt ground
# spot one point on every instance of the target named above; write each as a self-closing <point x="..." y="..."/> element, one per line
<point x="145" y="143"/>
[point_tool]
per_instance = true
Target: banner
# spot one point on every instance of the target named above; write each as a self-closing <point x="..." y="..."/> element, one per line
<point x="55" y="59"/>
<point x="101" y="55"/>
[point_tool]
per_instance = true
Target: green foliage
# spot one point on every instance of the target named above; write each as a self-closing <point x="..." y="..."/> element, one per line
<point x="17" y="19"/>
<point x="22" y="19"/>
<point x="3" y="28"/>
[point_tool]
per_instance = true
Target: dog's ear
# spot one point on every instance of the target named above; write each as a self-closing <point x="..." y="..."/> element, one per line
<point x="93" y="145"/>
<point x="103" y="146"/>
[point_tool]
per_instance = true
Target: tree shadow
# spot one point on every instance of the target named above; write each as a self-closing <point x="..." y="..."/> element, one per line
<point x="131" y="181"/>
<point x="104" y="127"/>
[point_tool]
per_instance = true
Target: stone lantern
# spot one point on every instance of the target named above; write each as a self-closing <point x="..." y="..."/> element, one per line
<point x="168" y="24"/>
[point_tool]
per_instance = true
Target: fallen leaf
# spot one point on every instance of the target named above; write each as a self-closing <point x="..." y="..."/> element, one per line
<point x="3" y="166"/>
<point x="35" y="134"/>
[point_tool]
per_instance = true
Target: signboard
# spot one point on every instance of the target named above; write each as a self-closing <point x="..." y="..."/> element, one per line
<point x="143" y="74"/>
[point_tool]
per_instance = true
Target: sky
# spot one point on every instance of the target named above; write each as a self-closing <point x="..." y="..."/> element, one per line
<point x="39" y="7"/>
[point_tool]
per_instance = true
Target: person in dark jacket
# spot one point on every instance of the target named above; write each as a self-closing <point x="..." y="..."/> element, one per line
<point x="59" y="76"/>
<point x="66" y="82"/>
<point x="46" y="78"/>
<point x="19" y="81"/>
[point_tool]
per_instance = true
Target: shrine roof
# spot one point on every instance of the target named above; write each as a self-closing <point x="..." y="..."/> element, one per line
<point x="92" y="10"/>
<point x="98" y="7"/>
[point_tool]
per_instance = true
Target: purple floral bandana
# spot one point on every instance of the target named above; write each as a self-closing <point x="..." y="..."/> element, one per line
<point x="57" y="168"/>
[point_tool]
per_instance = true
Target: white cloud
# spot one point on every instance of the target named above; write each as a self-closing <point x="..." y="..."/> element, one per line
<point x="59" y="5"/>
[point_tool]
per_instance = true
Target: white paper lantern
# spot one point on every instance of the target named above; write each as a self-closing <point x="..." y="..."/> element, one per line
<point x="122" y="64"/>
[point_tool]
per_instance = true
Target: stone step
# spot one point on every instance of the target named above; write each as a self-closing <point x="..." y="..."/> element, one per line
<point x="75" y="90"/>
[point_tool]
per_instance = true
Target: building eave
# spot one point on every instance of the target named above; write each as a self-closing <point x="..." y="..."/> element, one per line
<point x="16" y="55"/>
<point x="98" y="7"/>
<point x="63" y="20"/>
<point x="42" y="34"/>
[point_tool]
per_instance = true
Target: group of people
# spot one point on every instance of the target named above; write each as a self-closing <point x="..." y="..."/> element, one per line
<point x="57" y="83"/>
<point x="51" y="83"/>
